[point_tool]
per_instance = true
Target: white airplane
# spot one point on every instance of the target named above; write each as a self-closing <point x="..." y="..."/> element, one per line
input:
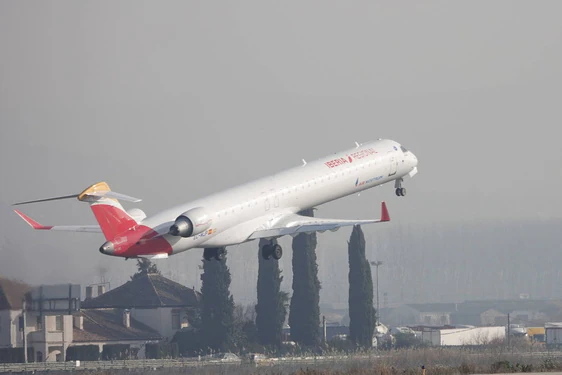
<point x="266" y="208"/>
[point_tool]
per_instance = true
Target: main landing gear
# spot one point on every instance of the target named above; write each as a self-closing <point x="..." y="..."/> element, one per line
<point x="400" y="191"/>
<point x="217" y="252"/>
<point x="271" y="250"/>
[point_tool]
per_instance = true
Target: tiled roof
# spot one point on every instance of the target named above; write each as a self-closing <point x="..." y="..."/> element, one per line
<point x="107" y="325"/>
<point x="12" y="293"/>
<point x="147" y="291"/>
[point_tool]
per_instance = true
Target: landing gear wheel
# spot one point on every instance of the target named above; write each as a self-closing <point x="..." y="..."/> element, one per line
<point x="276" y="252"/>
<point x="220" y="253"/>
<point x="398" y="192"/>
<point x="401" y="192"/>
<point x="208" y="254"/>
<point x="266" y="252"/>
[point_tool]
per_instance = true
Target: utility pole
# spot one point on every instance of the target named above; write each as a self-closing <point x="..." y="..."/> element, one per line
<point x="508" y="332"/>
<point x="24" y="333"/>
<point x="324" y="328"/>
<point x="377" y="264"/>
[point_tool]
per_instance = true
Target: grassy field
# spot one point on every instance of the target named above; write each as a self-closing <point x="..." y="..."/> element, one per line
<point x="438" y="361"/>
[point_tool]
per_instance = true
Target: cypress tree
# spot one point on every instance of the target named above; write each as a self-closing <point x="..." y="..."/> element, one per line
<point x="270" y="309"/>
<point x="217" y="317"/>
<point x="145" y="267"/>
<point x="304" y="313"/>
<point x="361" y="310"/>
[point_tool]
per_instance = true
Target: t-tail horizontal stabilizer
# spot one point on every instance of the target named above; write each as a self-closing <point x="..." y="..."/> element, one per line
<point x="109" y="213"/>
<point x="70" y="228"/>
<point x="91" y="194"/>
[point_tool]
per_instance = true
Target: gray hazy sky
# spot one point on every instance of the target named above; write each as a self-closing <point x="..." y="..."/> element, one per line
<point x="169" y="101"/>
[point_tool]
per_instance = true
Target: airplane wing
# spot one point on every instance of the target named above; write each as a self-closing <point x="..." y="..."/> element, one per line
<point x="294" y="224"/>
<point x="71" y="228"/>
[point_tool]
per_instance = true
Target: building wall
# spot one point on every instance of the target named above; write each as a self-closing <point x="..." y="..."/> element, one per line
<point x="430" y="336"/>
<point x="526" y="316"/>
<point x="16" y="337"/>
<point x="493" y="317"/>
<point x="5" y="329"/>
<point x="434" y="318"/>
<point x="553" y="336"/>
<point x="43" y="337"/>
<point x="48" y="338"/>
<point x="160" y="319"/>
<point x="10" y="335"/>
<point x="471" y="336"/>
<point x="140" y="344"/>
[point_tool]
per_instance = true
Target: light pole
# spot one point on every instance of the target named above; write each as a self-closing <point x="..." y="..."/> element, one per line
<point x="377" y="263"/>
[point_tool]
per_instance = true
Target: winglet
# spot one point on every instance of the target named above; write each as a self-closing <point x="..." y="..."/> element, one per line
<point x="384" y="212"/>
<point x="32" y="222"/>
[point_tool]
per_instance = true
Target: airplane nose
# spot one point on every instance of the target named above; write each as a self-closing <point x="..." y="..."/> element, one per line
<point x="107" y="248"/>
<point x="414" y="160"/>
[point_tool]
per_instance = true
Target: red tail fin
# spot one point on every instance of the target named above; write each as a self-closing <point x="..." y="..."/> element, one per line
<point x="109" y="213"/>
<point x="112" y="220"/>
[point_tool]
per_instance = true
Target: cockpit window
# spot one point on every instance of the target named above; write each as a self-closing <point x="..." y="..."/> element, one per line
<point x="403" y="149"/>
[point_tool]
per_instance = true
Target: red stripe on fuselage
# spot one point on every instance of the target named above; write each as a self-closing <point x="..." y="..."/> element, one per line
<point x="140" y="240"/>
<point x="112" y="220"/>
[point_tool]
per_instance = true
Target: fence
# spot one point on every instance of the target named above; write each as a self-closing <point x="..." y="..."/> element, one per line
<point x="154" y="364"/>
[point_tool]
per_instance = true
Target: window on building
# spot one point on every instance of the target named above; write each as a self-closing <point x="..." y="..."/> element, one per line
<point x="39" y="323"/>
<point x="58" y="323"/>
<point x="176" y="320"/>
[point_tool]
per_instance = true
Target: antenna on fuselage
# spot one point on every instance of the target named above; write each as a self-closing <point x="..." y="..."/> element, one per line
<point x="303" y="162"/>
<point x="357" y="145"/>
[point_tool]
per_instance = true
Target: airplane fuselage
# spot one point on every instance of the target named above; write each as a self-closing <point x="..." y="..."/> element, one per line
<point x="233" y="213"/>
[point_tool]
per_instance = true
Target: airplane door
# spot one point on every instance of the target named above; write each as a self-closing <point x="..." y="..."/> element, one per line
<point x="393" y="163"/>
<point x="275" y="200"/>
<point x="266" y="203"/>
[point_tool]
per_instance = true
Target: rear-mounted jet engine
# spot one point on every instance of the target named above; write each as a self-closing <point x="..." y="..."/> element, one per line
<point x="191" y="223"/>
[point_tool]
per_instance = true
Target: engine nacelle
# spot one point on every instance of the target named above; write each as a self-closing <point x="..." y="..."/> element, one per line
<point x="137" y="214"/>
<point x="191" y="223"/>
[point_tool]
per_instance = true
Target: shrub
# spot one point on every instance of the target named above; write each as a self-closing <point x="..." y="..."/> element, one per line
<point x="162" y="350"/>
<point x="16" y="355"/>
<point x="83" y="353"/>
<point x="115" y="352"/>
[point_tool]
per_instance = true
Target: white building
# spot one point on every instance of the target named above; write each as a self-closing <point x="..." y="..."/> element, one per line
<point x="148" y="309"/>
<point x="12" y="294"/>
<point x="157" y="302"/>
<point x="461" y="336"/>
<point x="553" y="333"/>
